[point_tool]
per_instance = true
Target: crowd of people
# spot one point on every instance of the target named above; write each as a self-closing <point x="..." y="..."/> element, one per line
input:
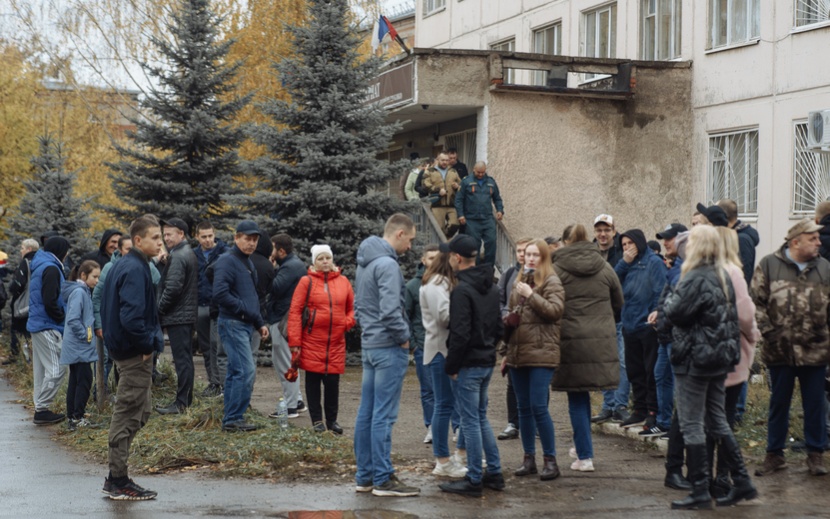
<point x="668" y="339"/>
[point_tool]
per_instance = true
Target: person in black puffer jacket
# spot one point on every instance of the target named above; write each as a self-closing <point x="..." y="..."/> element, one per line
<point x="705" y="348"/>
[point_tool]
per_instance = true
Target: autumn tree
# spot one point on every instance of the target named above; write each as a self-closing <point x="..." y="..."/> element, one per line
<point x="318" y="180"/>
<point x="183" y="156"/>
<point x="50" y="203"/>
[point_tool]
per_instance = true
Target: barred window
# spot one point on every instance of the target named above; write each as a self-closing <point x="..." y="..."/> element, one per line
<point x="811" y="173"/>
<point x="733" y="169"/>
<point x="808" y="12"/>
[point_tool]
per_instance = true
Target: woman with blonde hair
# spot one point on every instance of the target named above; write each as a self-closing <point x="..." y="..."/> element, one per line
<point x="436" y="285"/>
<point x="536" y="307"/>
<point x="703" y="310"/>
<point x="588" y="342"/>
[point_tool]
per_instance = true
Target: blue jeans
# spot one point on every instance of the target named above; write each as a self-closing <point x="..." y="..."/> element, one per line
<point x="472" y="406"/>
<point x="811" y="380"/>
<point x="532" y="387"/>
<point x="239" y="380"/>
<point x="380" y="398"/>
<point x="579" y="407"/>
<point x="425" y="382"/>
<point x="614" y="399"/>
<point x="445" y="410"/>
<point x="664" y="379"/>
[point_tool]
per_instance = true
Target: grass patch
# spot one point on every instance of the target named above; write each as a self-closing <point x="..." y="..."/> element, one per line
<point x="194" y="440"/>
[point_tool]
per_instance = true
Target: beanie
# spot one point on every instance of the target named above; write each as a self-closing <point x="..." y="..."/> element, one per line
<point x="316" y="250"/>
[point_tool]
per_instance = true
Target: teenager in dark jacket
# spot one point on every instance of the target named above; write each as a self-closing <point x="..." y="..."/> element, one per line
<point x="234" y="291"/>
<point x="475" y="328"/>
<point x="131" y="334"/>
<point x="46" y="315"/>
<point x="109" y="242"/>
<point x="261" y="258"/>
<point x="178" y="295"/>
<point x="705" y="349"/>
<point x="643" y="276"/>
<point x="18" y="286"/>
<point x="207" y="334"/>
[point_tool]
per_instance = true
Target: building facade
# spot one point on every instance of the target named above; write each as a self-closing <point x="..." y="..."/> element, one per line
<point x="758" y="68"/>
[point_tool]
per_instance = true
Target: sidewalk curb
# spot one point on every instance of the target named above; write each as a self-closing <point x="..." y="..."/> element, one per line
<point x="613" y="429"/>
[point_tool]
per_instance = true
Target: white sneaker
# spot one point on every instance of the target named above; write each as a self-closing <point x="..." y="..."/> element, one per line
<point x="458" y="459"/>
<point x="572" y="453"/>
<point x="449" y="469"/>
<point x="583" y="465"/>
<point x="428" y="437"/>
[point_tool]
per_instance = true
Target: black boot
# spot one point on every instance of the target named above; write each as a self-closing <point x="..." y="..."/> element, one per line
<point x="528" y="466"/>
<point x="674" y="458"/>
<point x="721" y="484"/>
<point x="743" y="487"/>
<point x="676" y="481"/>
<point x="699" y="477"/>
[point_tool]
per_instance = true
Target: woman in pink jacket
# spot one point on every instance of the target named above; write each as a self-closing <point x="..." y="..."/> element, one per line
<point x="749" y="336"/>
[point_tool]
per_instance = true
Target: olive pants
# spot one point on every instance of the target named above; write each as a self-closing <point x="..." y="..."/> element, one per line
<point x="131" y="411"/>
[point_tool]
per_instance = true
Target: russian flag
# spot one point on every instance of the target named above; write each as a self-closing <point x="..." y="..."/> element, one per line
<point x="381" y="28"/>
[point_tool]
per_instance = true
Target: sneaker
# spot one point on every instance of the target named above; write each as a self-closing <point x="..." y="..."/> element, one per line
<point x="620" y="415"/>
<point x="772" y="463"/>
<point x="653" y="431"/>
<point x="603" y="416"/>
<point x="108" y="486"/>
<point x="170" y="409"/>
<point x="509" y="433"/>
<point x="131" y="492"/>
<point x="428" y="437"/>
<point x="634" y="420"/>
<point x="815" y="463"/>
<point x="583" y="465"/>
<point x="48" y="418"/>
<point x="393" y="487"/>
<point x="212" y="391"/>
<point x="493" y="481"/>
<point x="319" y="427"/>
<point x="292" y="413"/>
<point x="450" y="469"/>
<point x="664" y="437"/>
<point x="71" y="425"/>
<point x="301" y="408"/>
<point x="240" y="426"/>
<point x="458" y="459"/>
<point x="363" y="487"/>
<point x="572" y="453"/>
<point x="465" y="487"/>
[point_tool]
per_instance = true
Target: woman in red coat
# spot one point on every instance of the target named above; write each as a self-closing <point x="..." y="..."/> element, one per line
<point x="321" y="343"/>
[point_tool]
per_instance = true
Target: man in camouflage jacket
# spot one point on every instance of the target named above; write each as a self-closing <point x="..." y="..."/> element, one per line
<point x="791" y="291"/>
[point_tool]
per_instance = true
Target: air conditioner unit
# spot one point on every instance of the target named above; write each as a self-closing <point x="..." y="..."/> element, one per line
<point x="818" y="130"/>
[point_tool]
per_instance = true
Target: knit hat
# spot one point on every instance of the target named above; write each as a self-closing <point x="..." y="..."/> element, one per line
<point x="316" y="250"/>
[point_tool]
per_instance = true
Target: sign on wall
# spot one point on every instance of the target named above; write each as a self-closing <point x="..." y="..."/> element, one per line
<point x="392" y="88"/>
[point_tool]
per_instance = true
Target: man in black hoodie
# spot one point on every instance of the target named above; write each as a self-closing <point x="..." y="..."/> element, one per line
<point x="108" y="245"/>
<point x="748" y="238"/>
<point x="261" y="258"/>
<point x="475" y="328"/>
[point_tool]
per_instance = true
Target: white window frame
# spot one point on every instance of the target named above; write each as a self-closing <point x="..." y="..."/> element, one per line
<point x="733" y="169"/>
<point x="540" y="77"/>
<point x="664" y="41"/>
<point x="737" y="30"/>
<point x="611" y="9"/>
<point x="811" y="12"/>
<point x="433" y="6"/>
<point x="510" y="43"/>
<point x="811" y="173"/>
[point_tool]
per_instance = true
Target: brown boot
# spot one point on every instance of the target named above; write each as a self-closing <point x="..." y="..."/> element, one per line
<point x="815" y="462"/>
<point x="528" y="466"/>
<point x="772" y="463"/>
<point x="551" y="469"/>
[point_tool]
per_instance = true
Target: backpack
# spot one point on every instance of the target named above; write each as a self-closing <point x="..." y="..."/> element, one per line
<point x="20" y="310"/>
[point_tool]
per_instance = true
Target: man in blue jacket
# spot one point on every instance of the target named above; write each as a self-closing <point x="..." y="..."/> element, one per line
<point x="474" y="206"/>
<point x="207" y="333"/>
<point x="379" y="309"/>
<point x="130" y="321"/>
<point x="46" y="315"/>
<point x="643" y="276"/>
<point x="234" y="291"/>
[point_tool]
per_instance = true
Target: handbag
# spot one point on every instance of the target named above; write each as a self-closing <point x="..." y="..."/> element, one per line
<point x="20" y="309"/>
<point x="283" y="326"/>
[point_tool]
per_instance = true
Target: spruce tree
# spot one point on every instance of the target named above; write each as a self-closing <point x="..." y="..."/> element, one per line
<point x="49" y="204"/>
<point x="320" y="180"/>
<point x="183" y="157"/>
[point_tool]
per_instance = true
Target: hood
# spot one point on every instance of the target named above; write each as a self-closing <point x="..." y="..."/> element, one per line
<point x="480" y="277"/>
<point x="372" y="248"/>
<point x="68" y="287"/>
<point x="580" y="259"/>
<point x="58" y="246"/>
<point x="115" y="256"/>
<point x="322" y="275"/>
<point x="639" y="239"/>
<point x="109" y="233"/>
<point x="264" y="245"/>
<point x="747" y="230"/>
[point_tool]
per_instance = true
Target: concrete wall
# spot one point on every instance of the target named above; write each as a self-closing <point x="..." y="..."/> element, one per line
<point x="562" y="160"/>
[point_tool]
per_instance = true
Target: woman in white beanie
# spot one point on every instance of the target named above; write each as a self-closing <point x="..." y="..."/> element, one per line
<point x="317" y="336"/>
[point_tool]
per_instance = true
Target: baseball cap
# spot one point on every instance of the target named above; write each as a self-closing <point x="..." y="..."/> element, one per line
<point x="248" y="227"/>
<point x="804" y="226"/>
<point x="604" y="218"/>
<point x="714" y="214"/>
<point x="178" y="223"/>
<point x="462" y="244"/>
<point x="671" y="230"/>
